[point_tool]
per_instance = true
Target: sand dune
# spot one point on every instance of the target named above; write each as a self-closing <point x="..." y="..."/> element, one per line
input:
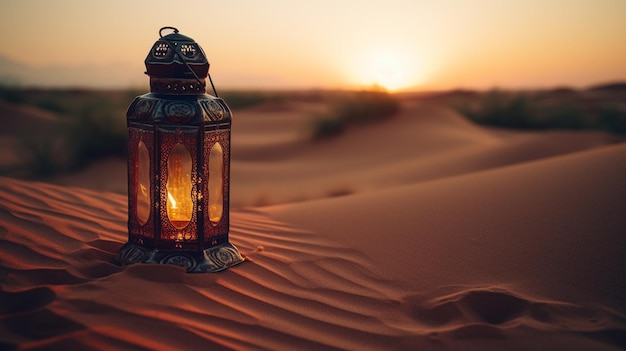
<point x="424" y="142"/>
<point x="560" y="217"/>
<point x="452" y="237"/>
<point x="22" y="122"/>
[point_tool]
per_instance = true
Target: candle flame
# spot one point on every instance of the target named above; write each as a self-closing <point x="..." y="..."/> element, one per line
<point x="172" y="201"/>
<point x="144" y="189"/>
<point x="179" y="187"/>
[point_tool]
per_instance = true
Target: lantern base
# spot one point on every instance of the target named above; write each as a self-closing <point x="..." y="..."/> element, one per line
<point x="215" y="259"/>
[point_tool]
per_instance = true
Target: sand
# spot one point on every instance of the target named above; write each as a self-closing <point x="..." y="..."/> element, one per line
<point x="425" y="232"/>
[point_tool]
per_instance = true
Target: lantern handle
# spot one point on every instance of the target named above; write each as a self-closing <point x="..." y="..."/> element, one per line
<point x="183" y="58"/>
<point x="162" y="29"/>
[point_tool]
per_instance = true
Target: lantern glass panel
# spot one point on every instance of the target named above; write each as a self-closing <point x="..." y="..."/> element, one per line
<point x="143" y="183"/>
<point x="216" y="183"/>
<point x="179" y="200"/>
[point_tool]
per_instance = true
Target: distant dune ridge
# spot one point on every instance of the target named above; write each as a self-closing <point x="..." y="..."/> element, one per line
<point x="271" y="163"/>
<point x="425" y="232"/>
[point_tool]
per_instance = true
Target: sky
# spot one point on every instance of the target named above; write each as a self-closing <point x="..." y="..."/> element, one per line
<point x="282" y="44"/>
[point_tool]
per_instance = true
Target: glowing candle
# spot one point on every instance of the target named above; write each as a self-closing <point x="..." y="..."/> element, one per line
<point x="179" y="201"/>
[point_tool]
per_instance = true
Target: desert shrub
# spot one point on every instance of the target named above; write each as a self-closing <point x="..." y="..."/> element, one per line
<point x="610" y="118"/>
<point x="91" y="125"/>
<point x="354" y="109"/>
<point x="500" y="109"/>
<point x="327" y="127"/>
<point x="51" y="104"/>
<point x="567" y="115"/>
<point x="95" y="132"/>
<point x="12" y="95"/>
<point x="541" y="111"/>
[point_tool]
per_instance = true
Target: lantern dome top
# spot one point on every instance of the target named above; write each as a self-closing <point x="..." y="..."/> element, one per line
<point x="176" y="56"/>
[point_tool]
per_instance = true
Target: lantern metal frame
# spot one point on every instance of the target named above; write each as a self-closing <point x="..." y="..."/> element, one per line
<point x="178" y="111"/>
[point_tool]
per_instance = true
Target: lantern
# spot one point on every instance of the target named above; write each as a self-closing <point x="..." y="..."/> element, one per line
<point x="179" y="164"/>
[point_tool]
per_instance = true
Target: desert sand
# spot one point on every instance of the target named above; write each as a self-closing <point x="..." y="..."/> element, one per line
<point x="424" y="232"/>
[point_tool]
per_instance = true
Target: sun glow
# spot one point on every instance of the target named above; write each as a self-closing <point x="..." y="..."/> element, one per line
<point x="388" y="70"/>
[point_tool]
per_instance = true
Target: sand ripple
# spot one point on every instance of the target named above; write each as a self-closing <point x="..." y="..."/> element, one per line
<point x="60" y="290"/>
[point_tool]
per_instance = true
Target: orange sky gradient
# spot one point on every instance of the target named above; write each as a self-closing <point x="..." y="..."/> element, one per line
<point x="276" y="44"/>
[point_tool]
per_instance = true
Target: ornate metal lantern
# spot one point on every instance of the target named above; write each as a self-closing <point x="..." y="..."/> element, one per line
<point x="179" y="164"/>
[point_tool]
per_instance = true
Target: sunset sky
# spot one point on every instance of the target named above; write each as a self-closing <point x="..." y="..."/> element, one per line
<point x="399" y="44"/>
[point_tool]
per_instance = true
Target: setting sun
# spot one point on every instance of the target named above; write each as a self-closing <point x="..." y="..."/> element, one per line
<point x="389" y="70"/>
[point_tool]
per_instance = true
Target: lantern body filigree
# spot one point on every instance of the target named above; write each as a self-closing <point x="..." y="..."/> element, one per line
<point x="179" y="165"/>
